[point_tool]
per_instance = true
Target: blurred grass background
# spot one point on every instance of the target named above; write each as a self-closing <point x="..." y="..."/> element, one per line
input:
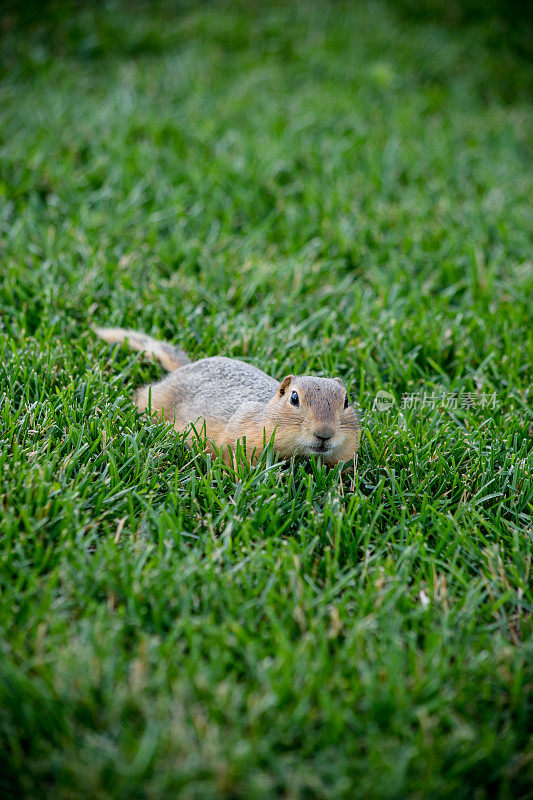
<point x="336" y="188"/>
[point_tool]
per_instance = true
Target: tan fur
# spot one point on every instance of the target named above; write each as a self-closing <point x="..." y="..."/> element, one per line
<point x="232" y="401"/>
<point x="169" y="356"/>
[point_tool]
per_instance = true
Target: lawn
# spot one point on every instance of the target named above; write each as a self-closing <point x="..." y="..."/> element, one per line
<point x="320" y="188"/>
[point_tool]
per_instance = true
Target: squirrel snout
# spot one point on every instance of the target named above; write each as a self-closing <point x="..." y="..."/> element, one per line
<point x="324" y="433"/>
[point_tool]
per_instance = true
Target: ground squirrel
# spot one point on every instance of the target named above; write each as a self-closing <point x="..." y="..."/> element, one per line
<point x="238" y="401"/>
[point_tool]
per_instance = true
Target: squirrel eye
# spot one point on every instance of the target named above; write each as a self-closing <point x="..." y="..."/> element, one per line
<point x="295" y="400"/>
<point x="346" y="401"/>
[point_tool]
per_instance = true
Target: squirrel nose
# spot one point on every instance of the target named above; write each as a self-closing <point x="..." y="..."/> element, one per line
<point x="324" y="434"/>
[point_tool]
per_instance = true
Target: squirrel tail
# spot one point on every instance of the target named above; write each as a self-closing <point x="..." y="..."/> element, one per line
<point x="169" y="356"/>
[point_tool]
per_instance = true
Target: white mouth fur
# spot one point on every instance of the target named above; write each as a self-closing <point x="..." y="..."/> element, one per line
<point x="320" y="449"/>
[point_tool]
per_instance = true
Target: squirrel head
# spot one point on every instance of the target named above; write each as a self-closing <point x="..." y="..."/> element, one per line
<point x="314" y="415"/>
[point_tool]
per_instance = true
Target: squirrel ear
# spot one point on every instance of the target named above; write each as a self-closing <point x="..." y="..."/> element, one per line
<point x="284" y="384"/>
<point x="339" y="381"/>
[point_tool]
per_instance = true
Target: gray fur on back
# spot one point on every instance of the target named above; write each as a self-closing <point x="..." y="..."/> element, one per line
<point x="217" y="386"/>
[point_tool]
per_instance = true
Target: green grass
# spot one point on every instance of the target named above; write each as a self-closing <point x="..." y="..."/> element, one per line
<point x="318" y="188"/>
